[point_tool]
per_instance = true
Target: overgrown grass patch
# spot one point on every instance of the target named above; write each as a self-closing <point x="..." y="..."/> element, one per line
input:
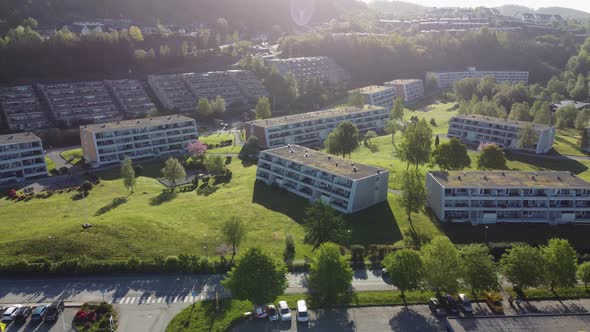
<point x="73" y="156"/>
<point x="50" y="164"/>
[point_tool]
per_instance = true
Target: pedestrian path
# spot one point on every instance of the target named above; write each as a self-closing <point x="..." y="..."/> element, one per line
<point x="141" y="300"/>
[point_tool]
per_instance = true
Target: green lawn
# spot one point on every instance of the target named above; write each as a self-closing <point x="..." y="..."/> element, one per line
<point x="50" y="164"/>
<point x="441" y="113"/>
<point x="215" y="138"/>
<point x="74" y="156"/>
<point x="567" y="142"/>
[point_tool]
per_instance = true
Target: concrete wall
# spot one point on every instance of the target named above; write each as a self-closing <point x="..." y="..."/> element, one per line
<point x="436" y="196"/>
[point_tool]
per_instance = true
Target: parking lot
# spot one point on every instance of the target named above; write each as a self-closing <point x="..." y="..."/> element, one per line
<point x="63" y="324"/>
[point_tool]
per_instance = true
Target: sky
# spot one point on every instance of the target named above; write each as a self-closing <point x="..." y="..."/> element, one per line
<point x="575" y="4"/>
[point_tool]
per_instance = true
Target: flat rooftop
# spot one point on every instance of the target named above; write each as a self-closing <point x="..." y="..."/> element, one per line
<point x="536" y="323"/>
<point x="500" y="121"/>
<point x="136" y="123"/>
<point x="323" y="161"/>
<point x="508" y="179"/>
<point x="478" y="71"/>
<point x="278" y="121"/>
<point x="18" y="138"/>
<point x="373" y="89"/>
<point x="577" y="104"/>
<point x="404" y="81"/>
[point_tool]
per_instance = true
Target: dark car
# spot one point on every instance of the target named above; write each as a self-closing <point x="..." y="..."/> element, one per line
<point x="22" y="315"/>
<point x="39" y="313"/>
<point x="54" y="310"/>
<point x="436" y="307"/>
<point x="452" y="306"/>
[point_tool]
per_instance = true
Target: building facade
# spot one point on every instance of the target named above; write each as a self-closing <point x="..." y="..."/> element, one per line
<point x="22" y="109"/>
<point x="377" y="95"/>
<point x="446" y="79"/>
<point x="21" y="158"/>
<point x="345" y="186"/>
<point x="476" y="129"/>
<point x="508" y="197"/>
<point x="132" y="98"/>
<point x="142" y="138"/>
<point x="307" y="68"/>
<point x="409" y="89"/>
<point x="314" y="127"/>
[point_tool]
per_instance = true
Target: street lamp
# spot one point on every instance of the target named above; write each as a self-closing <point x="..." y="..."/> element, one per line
<point x="486" y="234"/>
<point x="205" y="247"/>
<point x="50" y="238"/>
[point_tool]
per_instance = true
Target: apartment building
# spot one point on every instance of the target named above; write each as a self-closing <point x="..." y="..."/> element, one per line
<point x="131" y="97"/>
<point x="475" y="129"/>
<point x="377" y="95"/>
<point x="344" y="185"/>
<point x="447" y="78"/>
<point x="314" y="127"/>
<point x="141" y="138"/>
<point x="251" y="87"/>
<point x="407" y="89"/>
<point x="172" y="91"/>
<point x="307" y="68"/>
<point x="508" y="197"/>
<point x="22" y="108"/>
<point x="80" y="103"/>
<point x="212" y="84"/>
<point x="21" y="158"/>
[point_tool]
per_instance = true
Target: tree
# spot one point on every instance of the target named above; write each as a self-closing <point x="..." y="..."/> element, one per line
<point x="263" y="108"/>
<point x="582" y="120"/>
<point x="561" y="262"/>
<point x="436" y="141"/>
<point x="343" y="140"/>
<point x="520" y="112"/>
<point x="323" y="224"/>
<point x="414" y="195"/>
<point x="135" y="33"/>
<point x="543" y="116"/>
<point x="583" y="273"/>
<point x="204" y="108"/>
<point x="30" y="22"/>
<point x="416" y="144"/>
<point x="527" y="137"/>
<point x="451" y="155"/>
<point x="289" y="251"/>
<point x="356" y="99"/>
<point x="397" y="112"/>
<point x="405" y="270"/>
<point x="491" y="157"/>
<point x="580" y="90"/>
<point x="128" y="173"/>
<point x="330" y="275"/>
<point x="256" y="277"/>
<point x="196" y="148"/>
<point x="479" y="271"/>
<point x="234" y="232"/>
<point x="441" y="263"/>
<point x="214" y="164"/>
<point x="369" y="135"/>
<point x="173" y="171"/>
<point x="218" y="105"/>
<point x="392" y="127"/>
<point x="565" y="117"/>
<point x="523" y="266"/>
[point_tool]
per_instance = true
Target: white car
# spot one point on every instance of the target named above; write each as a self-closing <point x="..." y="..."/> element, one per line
<point x="284" y="310"/>
<point x="10" y="313"/>
<point x="273" y="313"/>
<point x="302" y="315"/>
<point x="465" y="304"/>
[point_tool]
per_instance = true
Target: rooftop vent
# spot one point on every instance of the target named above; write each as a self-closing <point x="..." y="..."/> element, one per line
<point x="103" y="126"/>
<point x="336" y="164"/>
<point x="137" y="121"/>
<point x="306" y="155"/>
<point x="291" y="151"/>
<point x="288" y="146"/>
<point x="351" y="164"/>
<point x="354" y="169"/>
<point x="503" y="174"/>
<point x="169" y="117"/>
<point x="10" y="137"/>
<point x="118" y="122"/>
<point x="559" y="178"/>
<point x="378" y="171"/>
<point x="464" y="174"/>
<point x="329" y="157"/>
<point x="459" y="177"/>
<point x="533" y="178"/>
<point x="485" y="178"/>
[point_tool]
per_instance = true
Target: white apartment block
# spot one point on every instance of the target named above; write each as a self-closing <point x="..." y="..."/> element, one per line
<point x="476" y="129"/>
<point x="142" y="138"/>
<point x="173" y="93"/>
<point x="22" y="109"/>
<point x="132" y="97"/>
<point x="377" y="95"/>
<point x="344" y="185"/>
<point x="508" y="197"/>
<point x="21" y="158"/>
<point x="314" y="127"/>
<point x="446" y="79"/>
<point x="80" y="103"/>
<point x="307" y="68"/>
<point x="407" y="89"/>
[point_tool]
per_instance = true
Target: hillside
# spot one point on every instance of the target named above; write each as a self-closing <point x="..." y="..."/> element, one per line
<point x="510" y="10"/>
<point x="398" y="8"/>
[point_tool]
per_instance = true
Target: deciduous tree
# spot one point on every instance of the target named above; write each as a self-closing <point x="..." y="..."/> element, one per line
<point x="441" y="263"/>
<point x="330" y="275"/>
<point x="263" y="108"/>
<point x="356" y="99"/>
<point x="343" y="140"/>
<point x="405" y="270"/>
<point x="491" y="157"/>
<point x="397" y="112"/>
<point x="413" y="195"/>
<point x="451" y="155"/>
<point x="234" y="232"/>
<point x="214" y="164"/>
<point x="561" y="262"/>
<point x="173" y="171"/>
<point x="479" y="272"/>
<point x="128" y="174"/>
<point x="135" y="33"/>
<point x="583" y="273"/>
<point x="523" y="266"/>
<point x="416" y="144"/>
<point x="527" y="137"/>
<point x="218" y="105"/>
<point x="204" y="108"/>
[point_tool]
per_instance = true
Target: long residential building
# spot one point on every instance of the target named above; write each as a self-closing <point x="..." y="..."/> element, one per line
<point x="132" y="98"/>
<point x="142" y="138"/>
<point x="307" y="68"/>
<point x="314" y="127"/>
<point x="22" y="108"/>
<point x="377" y="95"/>
<point x="508" y="197"/>
<point x="173" y="93"/>
<point x="344" y="185"/>
<point x="476" y="129"/>
<point x="407" y="89"/>
<point x="445" y="79"/>
<point x="21" y="158"/>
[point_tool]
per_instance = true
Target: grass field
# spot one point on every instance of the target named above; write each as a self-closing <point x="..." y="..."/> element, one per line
<point x="215" y="138"/>
<point x="441" y="113"/>
<point x="50" y="164"/>
<point x="74" y="156"/>
<point x="567" y="142"/>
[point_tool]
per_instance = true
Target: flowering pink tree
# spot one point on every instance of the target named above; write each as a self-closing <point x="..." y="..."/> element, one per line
<point x="196" y="148"/>
<point x="483" y="145"/>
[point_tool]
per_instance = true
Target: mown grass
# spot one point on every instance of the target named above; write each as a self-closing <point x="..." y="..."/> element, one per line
<point x="441" y="113"/>
<point x="203" y="316"/>
<point x="50" y="164"/>
<point x="216" y="138"/>
<point x="567" y="142"/>
<point x="72" y="156"/>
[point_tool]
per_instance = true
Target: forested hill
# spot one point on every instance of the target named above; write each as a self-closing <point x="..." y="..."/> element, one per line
<point x="249" y="14"/>
<point x="398" y="8"/>
<point x="510" y="10"/>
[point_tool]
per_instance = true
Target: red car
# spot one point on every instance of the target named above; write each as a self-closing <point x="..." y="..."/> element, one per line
<point x="260" y="312"/>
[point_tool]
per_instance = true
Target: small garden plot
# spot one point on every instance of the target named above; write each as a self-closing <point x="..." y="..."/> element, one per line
<point x="100" y="317"/>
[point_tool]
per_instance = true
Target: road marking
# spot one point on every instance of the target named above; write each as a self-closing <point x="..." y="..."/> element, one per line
<point x="175" y="299"/>
<point x="149" y="300"/>
<point x="126" y="300"/>
<point x="186" y="299"/>
<point x="132" y="300"/>
<point x="160" y="300"/>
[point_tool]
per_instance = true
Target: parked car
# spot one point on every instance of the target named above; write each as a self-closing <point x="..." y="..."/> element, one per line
<point x="260" y="312"/>
<point x="302" y="315"/>
<point x="39" y="312"/>
<point x="494" y="301"/>
<point x="466" y="305"/>
<point x="22" y="315"/>
<point x="10" y="313"/>
<point x="284" y="310"/>
<point x="273" y="313"/>
<point x="54" y="310"/>
<point x="436" y="308"/>
<point x="452" y="307"/>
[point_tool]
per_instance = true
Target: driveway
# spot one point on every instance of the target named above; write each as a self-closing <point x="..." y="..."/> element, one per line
<point x="54" y="154"/>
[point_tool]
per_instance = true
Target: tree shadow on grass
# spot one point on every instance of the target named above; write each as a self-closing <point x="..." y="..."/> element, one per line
<point x="113" y="204"/>
<point x="163" y="197"/>
<point x="206" y="190"/>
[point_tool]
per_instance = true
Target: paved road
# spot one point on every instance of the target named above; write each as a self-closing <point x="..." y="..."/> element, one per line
<point x="147" y="318"/>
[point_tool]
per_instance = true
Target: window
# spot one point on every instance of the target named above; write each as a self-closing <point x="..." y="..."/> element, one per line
<point x="376" y="187"/>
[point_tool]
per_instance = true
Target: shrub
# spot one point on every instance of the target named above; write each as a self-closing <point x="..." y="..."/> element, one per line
<point x="228" y="160"/>
<point x="432" y="122"/>
<point x="63" y="170"/>
<point x="171" y="264"/>
<point x="86" y="186"/>
<point x="358" y="253"/>
<point x="138" y="170"/>
<point x="12" y="193"/>
<point x="54" y="172"/>
<point x="289" y="252"/>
